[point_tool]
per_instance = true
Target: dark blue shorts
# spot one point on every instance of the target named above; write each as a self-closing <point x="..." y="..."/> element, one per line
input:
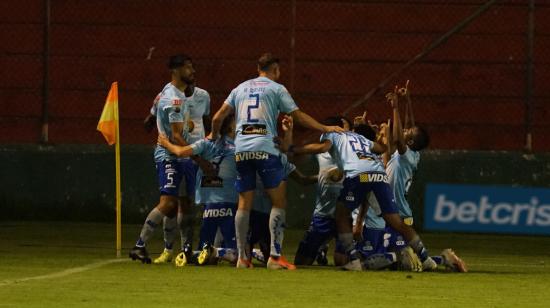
<point x="170" y="174"/>
<point x="355" y="190"/>
<point x="267" y="166"/>
<point x="396" y="240"/>
<point x="190" y="169"/>
<point x="375" y="241"/>
<point x="222" y="216"/>
<point x="320" y="232"/>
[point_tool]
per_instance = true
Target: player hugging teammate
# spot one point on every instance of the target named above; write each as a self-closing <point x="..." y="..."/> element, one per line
<point x="364" y="172"/>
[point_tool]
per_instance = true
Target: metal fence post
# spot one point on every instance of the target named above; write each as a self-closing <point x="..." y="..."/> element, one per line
<point x="44" y="137"/>
<point x="529" y="78"/>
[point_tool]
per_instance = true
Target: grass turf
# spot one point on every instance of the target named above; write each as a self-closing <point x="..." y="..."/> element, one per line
<point x="506" y="271"/>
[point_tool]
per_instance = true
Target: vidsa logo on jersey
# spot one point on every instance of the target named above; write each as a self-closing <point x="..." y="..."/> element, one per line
<point x="487" y="209"/>
<point x="214" y="213"/>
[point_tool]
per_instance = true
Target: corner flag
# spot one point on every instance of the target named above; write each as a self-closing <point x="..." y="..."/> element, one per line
<point x="108" y="126"/>
<point x="108" y="123"/>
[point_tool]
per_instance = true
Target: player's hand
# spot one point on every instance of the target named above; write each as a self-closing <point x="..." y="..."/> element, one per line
<point x="359" y="120"/>
<point x="163" y="140"/>
<point x="333" y="129"/>
<point x="149" y="122"/>
<point x="335" y="175"/>
<point x="210" y="137"/>
<point x="206" y="167"/>
<point x="404" y="91"/>
<point x="287" y="123"/>
<point x="393" y="98"/>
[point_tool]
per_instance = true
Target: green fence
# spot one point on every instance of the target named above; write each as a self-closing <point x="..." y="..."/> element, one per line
<point x="76" y="183"/>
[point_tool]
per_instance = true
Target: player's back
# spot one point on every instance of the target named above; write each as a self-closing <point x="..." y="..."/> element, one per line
<point x="221" y="187"/>
<point x="171" y="108"/>
<point x="257" y="103"/>
<point x="400" y="170"/>
<point x="327" y="190"/>
<point x="353" y="153"/>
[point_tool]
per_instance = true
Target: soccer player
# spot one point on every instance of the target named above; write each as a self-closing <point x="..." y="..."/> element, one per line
<point x="400" y="169"/>
<point x="198" y="120"/>
<point x="170" y="117"/>
<point x="364" y="172"/>
<point x="257" y="103"/>
<point x="323" y="227"/>
<point x="217" y="191"/>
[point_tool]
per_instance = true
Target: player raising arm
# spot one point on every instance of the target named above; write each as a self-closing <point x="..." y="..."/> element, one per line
<point x="364" y="172"/>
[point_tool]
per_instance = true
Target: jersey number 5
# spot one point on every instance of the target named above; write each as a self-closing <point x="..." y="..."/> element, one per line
<point x="253" y="103"/>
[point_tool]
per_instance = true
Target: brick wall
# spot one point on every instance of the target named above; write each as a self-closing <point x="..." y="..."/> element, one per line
<point x="470" y="92"/>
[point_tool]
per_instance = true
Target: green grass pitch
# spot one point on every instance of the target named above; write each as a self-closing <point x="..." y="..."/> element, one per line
<point x="71" y="265"/>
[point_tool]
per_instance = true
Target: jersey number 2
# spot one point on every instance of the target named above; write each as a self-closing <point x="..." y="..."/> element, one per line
<point x="254" y="103"/>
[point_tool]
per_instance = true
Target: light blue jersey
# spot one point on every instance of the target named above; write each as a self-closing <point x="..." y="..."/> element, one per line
<point x="353" y="154"/>
<point x="262" y="202"/>
<point x="400" y="171"/>
<point x="198" y="107"/>
<point x="327" y="190"/>
<point x="171" y="108"/>
<point x="220" y="188"/>
<point x="257" y="103"/>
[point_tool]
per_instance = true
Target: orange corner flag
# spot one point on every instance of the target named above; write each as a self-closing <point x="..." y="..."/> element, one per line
<point x="109" y="117"/>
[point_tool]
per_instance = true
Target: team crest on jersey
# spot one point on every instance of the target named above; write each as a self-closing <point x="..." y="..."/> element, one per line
<point x="350" y="197"/>
<point x="177" y="104"/>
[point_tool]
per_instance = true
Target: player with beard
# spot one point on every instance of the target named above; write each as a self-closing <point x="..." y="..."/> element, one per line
<point x="170" y="117"/>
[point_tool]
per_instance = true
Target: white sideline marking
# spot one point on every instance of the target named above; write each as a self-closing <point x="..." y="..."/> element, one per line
<point x="62" y="273"/>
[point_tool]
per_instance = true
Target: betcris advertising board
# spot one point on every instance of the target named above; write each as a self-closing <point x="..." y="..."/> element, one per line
<point x="472" y="208"/>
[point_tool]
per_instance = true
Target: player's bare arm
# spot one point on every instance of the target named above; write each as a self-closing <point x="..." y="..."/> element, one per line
<point x="335" y="174"/>
<point x="307" y="121"/>
<point x="397" y="134"/>
<point x="409" y="115"/>
<point x="387" y="140"/>
<point x="218" y="118"/>
<point x="303" y="179"/>
<point x="180" y="151"/>
<point x="177" y="137"/>
<point x="149" y="122"/>
<point x="314" y="148"/>
<point x="288" y="127"/>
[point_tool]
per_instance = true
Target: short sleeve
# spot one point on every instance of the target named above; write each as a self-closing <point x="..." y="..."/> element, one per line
<point x="204" y="148"/>
<point x="287" y="104"/>
<point x="327" y="136"/>
<point x="231" y="99"/>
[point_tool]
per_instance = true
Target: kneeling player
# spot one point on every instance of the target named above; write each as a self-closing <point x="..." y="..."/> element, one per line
<point x="364" y="173"/>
